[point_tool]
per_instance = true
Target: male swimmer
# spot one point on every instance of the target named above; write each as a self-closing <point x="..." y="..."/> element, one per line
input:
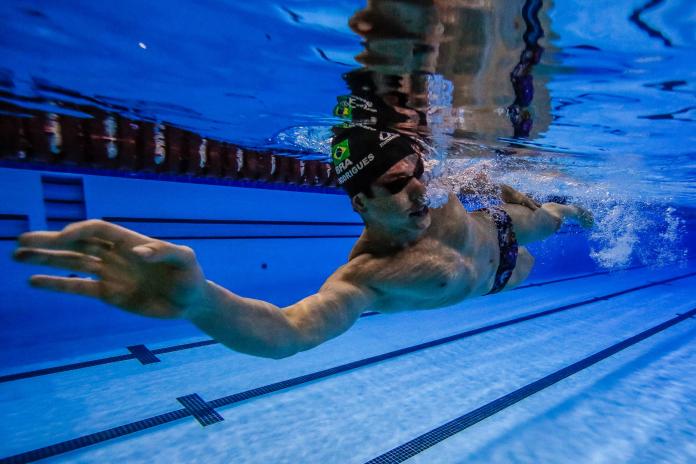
<point x="408" y="257"/>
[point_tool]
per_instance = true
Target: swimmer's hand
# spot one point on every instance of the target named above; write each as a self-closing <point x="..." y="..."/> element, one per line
<point x="512" y="196"/>
<point x="132" y="271"/>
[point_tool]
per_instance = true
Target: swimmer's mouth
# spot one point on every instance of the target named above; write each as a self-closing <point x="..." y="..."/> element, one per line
<point x="420" y="212"/>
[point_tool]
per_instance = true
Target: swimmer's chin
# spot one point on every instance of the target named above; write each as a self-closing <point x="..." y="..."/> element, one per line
<point x="422" y="218"/>
<point x="421" y="211"/>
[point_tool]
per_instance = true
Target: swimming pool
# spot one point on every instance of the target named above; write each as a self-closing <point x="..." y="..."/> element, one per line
<point x="489" y="387"/>
<point x="587" y="361"/>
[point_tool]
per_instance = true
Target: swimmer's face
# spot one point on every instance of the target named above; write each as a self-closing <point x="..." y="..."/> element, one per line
<point x="399" y="196"/>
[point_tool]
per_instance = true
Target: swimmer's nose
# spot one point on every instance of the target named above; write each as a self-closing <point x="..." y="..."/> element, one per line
<point x="416" y="189"/>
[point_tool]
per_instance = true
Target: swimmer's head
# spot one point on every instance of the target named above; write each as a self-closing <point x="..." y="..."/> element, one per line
<point x="382" y="172"/>
<point x="361" y="154"/>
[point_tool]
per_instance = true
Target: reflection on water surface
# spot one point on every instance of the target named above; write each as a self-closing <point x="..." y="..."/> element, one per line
<point x="593" y="103"/>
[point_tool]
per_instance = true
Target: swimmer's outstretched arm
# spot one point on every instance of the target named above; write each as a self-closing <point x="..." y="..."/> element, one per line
<point x="260" y="328"/>
<point x="159" y="279"/>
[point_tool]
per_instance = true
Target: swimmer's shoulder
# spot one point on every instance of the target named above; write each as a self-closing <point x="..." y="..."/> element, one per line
<point x="361" y="247"/>
<point x="363" y="271"/>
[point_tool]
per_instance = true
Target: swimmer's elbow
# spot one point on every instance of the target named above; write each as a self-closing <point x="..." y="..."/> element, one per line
<point x="305" y="333"/>
<point x="282" y="354"/>
<point x="323" y="316"/>
<point x="294" y="337"/>
<point x="270" y="350"/>
<point x="286" y="333"/>
<point x="289" y="347"/>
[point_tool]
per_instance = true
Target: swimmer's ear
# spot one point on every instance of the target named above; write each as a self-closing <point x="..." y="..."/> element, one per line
<point x="358" y="202"/>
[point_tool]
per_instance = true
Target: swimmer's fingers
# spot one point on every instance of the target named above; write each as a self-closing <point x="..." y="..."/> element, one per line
<point x="584" y="217"/>
<point x="52" y="241"/>
<point x="74" y="285"/>
<point x="69" y="260"/>
<point x="510" y="195"/>
<point x="531" y="204"/>
<point x="40" y="239"/>
<point x="83" y="234"/>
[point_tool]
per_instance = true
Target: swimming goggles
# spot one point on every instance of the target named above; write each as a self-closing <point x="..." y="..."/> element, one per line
<point x="399" y="184"/>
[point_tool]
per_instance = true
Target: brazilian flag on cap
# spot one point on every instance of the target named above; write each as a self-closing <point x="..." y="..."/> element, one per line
<point x="344" y="109"/>
<point x="340" y="151"/>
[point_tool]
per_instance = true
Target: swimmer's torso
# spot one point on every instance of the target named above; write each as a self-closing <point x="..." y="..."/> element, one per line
<point x="455" y="259"/>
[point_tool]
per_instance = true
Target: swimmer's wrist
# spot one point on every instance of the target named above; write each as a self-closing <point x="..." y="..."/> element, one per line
<point x="204" y="305"/>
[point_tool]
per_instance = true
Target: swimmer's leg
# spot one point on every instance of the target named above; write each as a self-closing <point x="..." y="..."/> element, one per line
<point x="535" y="225"/>
<point x="523" y="266"/>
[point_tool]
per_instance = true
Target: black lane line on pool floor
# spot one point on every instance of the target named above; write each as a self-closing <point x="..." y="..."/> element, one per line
<point x="98" y="362"/>
<point x="187" y="346"/>
<point x="577" y="277"/>
<point x="435" y="436"/>
<point x="143" y="354"/>
<point x="200" y="410"/>
<point x="98" y="437"/>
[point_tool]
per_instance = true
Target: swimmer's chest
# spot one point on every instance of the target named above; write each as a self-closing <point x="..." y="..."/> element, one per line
<point x="428" y="275"/>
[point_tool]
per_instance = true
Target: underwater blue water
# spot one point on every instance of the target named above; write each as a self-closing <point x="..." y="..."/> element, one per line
<point x="389" y="381"/>
<point x="614" y="131"/>
<point x="613" y="98"/>
<point x="247" y="73"/>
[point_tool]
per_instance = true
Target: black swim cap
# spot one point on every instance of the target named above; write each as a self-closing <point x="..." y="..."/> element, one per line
<point x="360" y="154"/>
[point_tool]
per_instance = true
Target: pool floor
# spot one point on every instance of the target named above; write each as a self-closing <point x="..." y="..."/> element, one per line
<point x="592" y="368"/>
